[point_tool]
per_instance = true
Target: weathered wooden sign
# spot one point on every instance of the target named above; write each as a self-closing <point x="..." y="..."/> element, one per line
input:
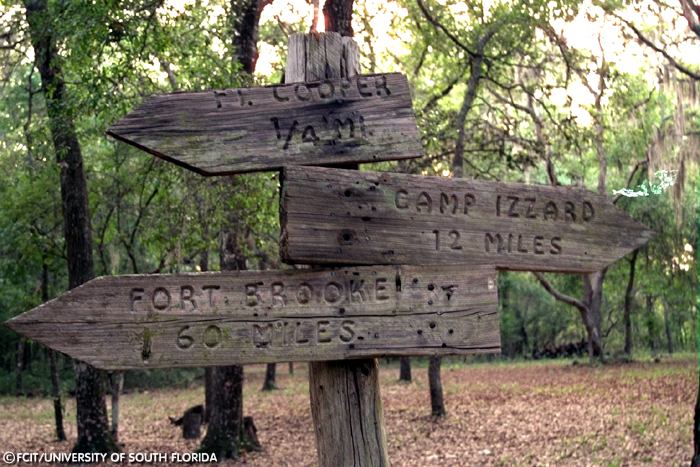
<point x="364" y="119"/>
<point x="350" y="217"/>
<point x="207" y="319"/>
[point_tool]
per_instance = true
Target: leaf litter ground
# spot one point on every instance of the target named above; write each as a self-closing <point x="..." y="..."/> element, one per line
<point x="550" y="413"/>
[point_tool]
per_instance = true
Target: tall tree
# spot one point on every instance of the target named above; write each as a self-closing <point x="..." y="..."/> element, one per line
<point x="629" y="298"/>
<point x="93" y="431"/>
<point x="225" y="433"/>
<point x="337" y="15"/>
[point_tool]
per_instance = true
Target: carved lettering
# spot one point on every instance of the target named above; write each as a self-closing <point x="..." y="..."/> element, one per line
<point x="333" y="292"/>
<point x="424" y="202"/>
<point x="530" y="214"/>
<point x="187" y="296"/>
<point x="252" y="294"/>
<point x="135" y="295"/>
<point x="161" y="298"/>
<point x="551" y="211"/>
<point x="469" y="200"/>
<point x="347" y="333"/>
<point x="210" y="289"/>
<point x="278" y="297"/>
<point x="184" y="340"/>
<point x="323" y="334"/>
<point x="304" y="293"/>
<point x="447" y="201"/>
<point x="380" y="288"/>
<point x="212" y="336"/>
<point x="513" y="203"/>
<point x="401" y="199"/>
<point x="262" y="335"/>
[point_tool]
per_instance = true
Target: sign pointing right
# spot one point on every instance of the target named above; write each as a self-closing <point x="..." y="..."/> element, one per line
<point x="351" y="217"/>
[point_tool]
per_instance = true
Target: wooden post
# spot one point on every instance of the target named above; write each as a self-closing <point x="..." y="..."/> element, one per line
<point x="345" y="401"/>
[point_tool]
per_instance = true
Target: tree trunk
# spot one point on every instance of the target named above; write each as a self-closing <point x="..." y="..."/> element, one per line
<point x="56" y="395"/>
<point x="245" y="18"/>
<point x="116" y="384"/>
<point x="628" y="305"/>
<point x="208" y="393"/>
<point x="19" y="367"/>
<point x="593" y="292"/>
<point x="225" y="407"/>
<point x="405" y="369"/>
<point x="53" y="366"/>
<point x="93" y="432"/>
<point x="226" y="417"/>
<point x="291" y="368"/>
<point x="667" y="327"/>
<point x="437" y="403"/>
<point x="338" y="16"/>
<point x="651" y="328"/>
<point x="269" y="383"/>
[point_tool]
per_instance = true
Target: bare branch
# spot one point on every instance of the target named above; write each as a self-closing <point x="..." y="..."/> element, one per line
<point x="558" y="295"/>
<point x="646" y="41"/>
<point x="442" y="28"/>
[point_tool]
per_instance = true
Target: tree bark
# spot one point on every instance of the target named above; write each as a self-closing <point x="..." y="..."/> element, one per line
<point x="19" y="366"/>
<point x="667" y="327"/>
<point x="651" y="328"/>
<point x="437" y="402"/>
<point x="405" y="369"/>
<point x="53" y="366"/>
<point x="628" y="304"/>
<point x="56" y="395"/>
<point x="245" y="16"/>
<point x="93" y="432"/>
<point x="226" y="417"/>
<point x="269" y="383"/>
<point x="225" y="407"/>
<point x="593" y="293"/>
<point x="337" y="15"/>
<point x="208" y="392"/>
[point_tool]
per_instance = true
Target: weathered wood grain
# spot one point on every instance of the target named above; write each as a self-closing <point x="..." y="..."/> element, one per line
<point x="210" y="319"/>
<point x="329" y="121"/>
<point x="345" y="395"/>
<point x="349" y="217"/>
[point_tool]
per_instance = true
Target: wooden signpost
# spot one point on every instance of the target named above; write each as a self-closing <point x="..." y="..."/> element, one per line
<point x="213" y="319"/>
<point x="454" y="232"/>
<point x="329" y="121"/>
<point x="350" y="217"/>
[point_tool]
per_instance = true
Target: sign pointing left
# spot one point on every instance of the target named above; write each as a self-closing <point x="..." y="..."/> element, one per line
<point x="367" y="118"/>
<point x="211" y="319"/>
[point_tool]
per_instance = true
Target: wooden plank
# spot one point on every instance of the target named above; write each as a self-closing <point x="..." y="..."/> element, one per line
<point x="362" y="119"/>
<point x="348" y="217"/>
<point x="210" y="319"/>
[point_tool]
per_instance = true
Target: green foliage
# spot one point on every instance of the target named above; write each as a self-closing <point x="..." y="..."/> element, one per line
<point x="150" y="216"/>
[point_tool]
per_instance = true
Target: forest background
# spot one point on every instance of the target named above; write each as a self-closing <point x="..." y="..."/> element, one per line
<point x="599" y="94"/>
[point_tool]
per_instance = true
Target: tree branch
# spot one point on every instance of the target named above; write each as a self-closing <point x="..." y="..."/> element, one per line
<point x="643" y="39"/>
<point x="442" y="28"/>
<point x="558" y="295"/>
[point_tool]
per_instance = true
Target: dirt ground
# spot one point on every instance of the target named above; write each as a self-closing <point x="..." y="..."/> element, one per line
<point x="549" y="413"/>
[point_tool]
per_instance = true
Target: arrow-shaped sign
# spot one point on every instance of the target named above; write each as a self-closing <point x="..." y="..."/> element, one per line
<point x="365" y="119"/>
<point x="350" y="217"/>
<point x="208" y="319"/>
